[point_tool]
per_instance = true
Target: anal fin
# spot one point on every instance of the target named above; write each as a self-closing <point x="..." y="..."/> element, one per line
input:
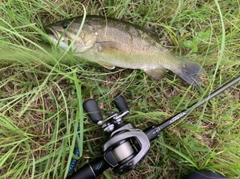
<point x="157" y="73"/>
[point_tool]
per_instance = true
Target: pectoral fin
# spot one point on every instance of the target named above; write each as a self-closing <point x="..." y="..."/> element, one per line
<point x="106" y="65"/>
<point x="105" y="45"/>
<point x="157" y="73"/>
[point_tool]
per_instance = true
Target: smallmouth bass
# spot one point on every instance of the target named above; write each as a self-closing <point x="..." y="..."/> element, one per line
<point x="110" y="43"/>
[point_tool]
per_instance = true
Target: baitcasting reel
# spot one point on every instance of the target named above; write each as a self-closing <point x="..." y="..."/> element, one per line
<point x="127" y="146"/>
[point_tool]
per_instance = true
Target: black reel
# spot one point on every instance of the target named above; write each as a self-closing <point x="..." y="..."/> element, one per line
<point x="127" y="146"/>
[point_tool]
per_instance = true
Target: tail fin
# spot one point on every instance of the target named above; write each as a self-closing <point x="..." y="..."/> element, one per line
<point x="190" y="72"/>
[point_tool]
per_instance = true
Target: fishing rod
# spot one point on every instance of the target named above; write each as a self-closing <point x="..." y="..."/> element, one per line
<point x="127" y="146"/>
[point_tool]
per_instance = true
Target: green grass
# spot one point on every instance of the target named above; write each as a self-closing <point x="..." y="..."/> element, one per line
<point x="42" y="89"/>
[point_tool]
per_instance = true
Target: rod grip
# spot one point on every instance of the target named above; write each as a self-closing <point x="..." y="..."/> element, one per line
<point x="91" y="170"/>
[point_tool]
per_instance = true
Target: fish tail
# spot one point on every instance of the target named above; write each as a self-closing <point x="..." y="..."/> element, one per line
<point x="190" y="72"/>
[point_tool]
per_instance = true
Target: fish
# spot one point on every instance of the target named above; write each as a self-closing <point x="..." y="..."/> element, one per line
<point x="116" y="43"/>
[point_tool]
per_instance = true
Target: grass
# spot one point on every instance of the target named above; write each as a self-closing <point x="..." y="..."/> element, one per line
<point x="42" y="89"/>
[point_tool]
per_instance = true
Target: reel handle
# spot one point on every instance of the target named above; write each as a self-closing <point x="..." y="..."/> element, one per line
<point x="121" y="104"/>
<point x="92" y="109"/>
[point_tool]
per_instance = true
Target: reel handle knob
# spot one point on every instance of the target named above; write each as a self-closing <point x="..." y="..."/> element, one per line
<point x="91" y="107"/>
<point x="121" y="104"/>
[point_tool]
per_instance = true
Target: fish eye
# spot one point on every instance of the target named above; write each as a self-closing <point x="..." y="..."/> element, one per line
<point x="64" y="25"/>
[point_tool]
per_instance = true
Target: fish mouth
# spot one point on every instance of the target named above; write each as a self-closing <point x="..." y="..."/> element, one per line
<point x="55" y="37"/>
<point x="53" y="34"/>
